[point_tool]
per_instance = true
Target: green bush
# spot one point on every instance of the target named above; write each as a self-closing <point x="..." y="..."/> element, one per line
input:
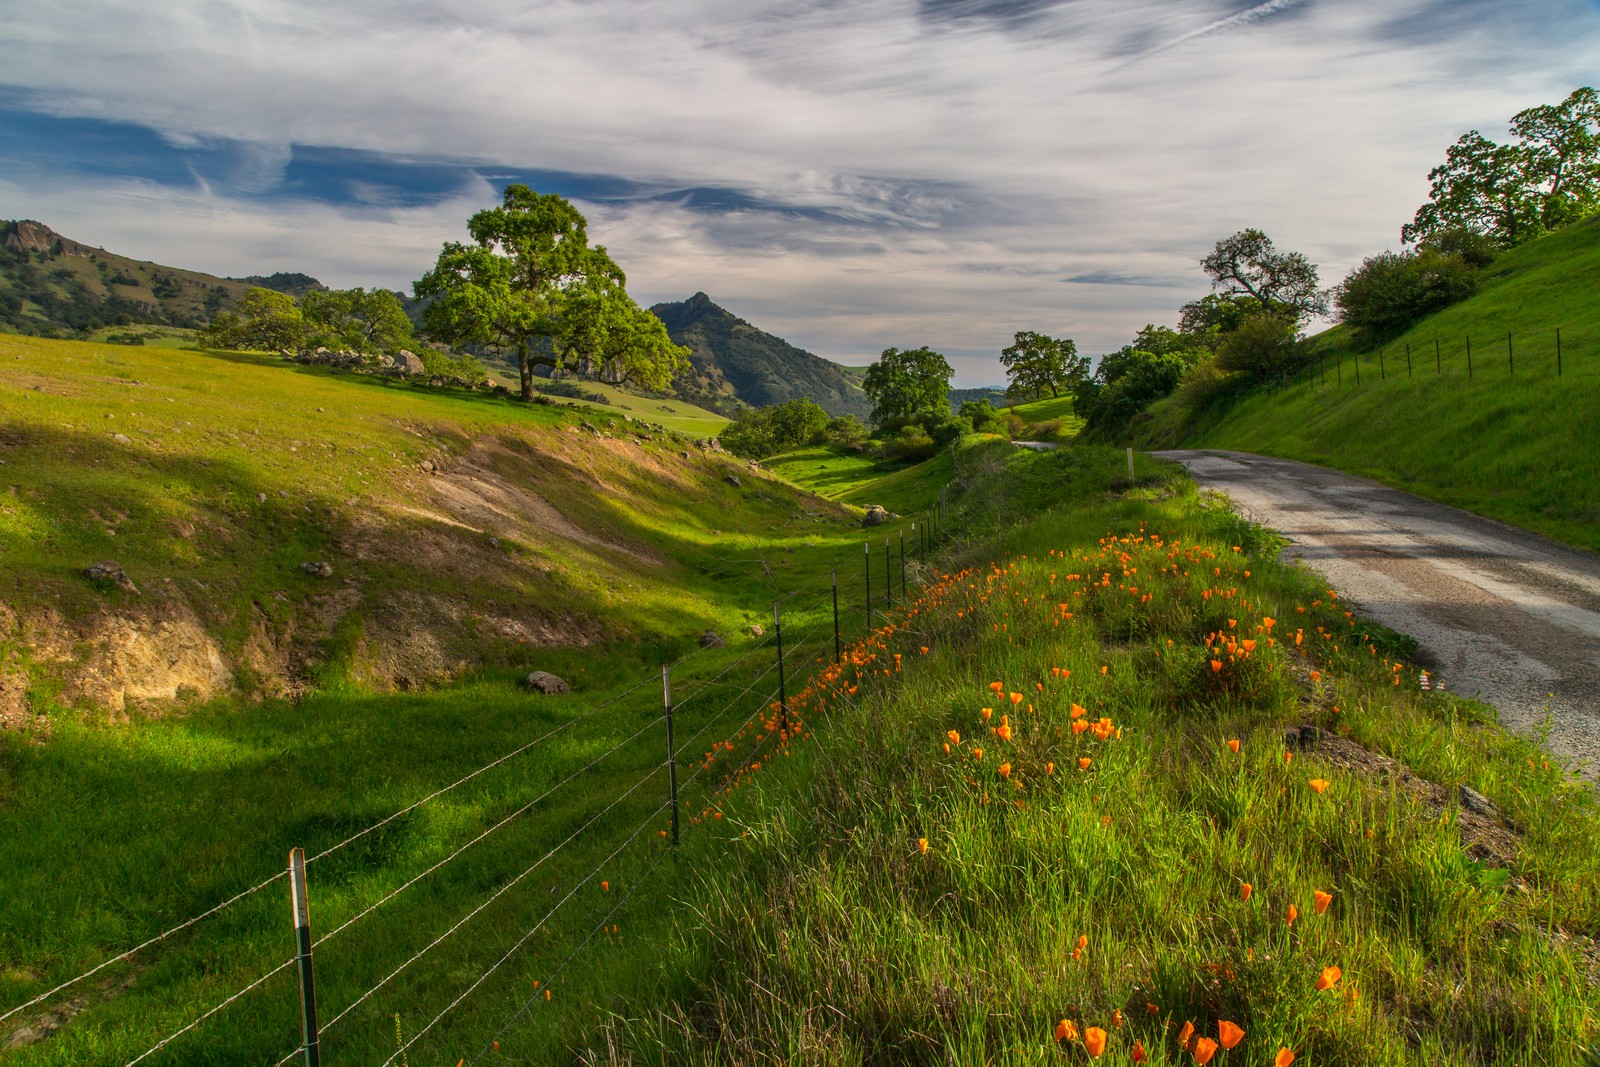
<point x="1390" y="291"/>
<point x="1262" y="346"/>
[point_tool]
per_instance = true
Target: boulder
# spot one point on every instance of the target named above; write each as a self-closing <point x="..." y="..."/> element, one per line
<point x="712" y="639"/>
<point x="110" y="572"/>
<point x="755" y="629"/>
<point x="547" y="683"/>
<point x="407" y="362"/>
<point x="733" y="480"/>
<point x="318" y="569"/>
<point x="875" y="516"/>
<point x="1475" y="801"/>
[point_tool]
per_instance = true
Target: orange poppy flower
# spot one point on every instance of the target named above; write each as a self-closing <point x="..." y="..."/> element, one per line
<point x="1283" y="1058"/>
<point x="605" y="887"/>
<point x="1319" y="784"/>
<point x="1139" y="1054"/>
<point x="997" y="686"/>
<point x="1079" y="727"/>
<point x="1005" y="770"/>
<point x="1016" y="698"/>
<point x="1065" y="1031"/>
<point x="955" y="738"/>
<point x="1186" y="1033"/>
<point x="1204" y="1049"/>
<point x="1233" y="745"/>
<point x="1216" y="665"/>
<point x="1049" y="768"/>
<point x="922" y="845"/>
<point x="987" y="713"/>
<point x="1245" y="889"/>
<point x="1116" y="1018"/>
<point x="1288" y="757"/>
<point x="1094" y="1041"/>
<point x="1004" y="732"/>
<point x="1078" y="711"/>
<point x="977" y="753"/>
<point x="1083" y="762"/>
<point x="1294" y="913"/>
<point x="1316" y="676"/>
<point x="1229" y="1034"/>
<point x="1083" y="940"/>
<point x="1321" y="900"/>
<point x="1328" y="978"/>
<point x="924" y="649"/>
<point x="1153" y="1009"/>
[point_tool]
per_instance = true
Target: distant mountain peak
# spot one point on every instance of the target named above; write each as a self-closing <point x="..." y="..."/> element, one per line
<point x="734" y="364"/>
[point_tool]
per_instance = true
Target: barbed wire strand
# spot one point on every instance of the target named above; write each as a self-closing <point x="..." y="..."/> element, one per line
<point x="520" y="811"/>
<point x="159" y="1045"/>
<point x="242" y="894"/>
<point x="531" y="931"/>
<point x="496" y="894"/>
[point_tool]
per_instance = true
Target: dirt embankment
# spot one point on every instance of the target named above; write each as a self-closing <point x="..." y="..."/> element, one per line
<point x="478" y="556"/>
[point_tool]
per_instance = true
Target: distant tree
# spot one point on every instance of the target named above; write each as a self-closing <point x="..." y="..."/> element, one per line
<point x="1511" y="193"/>
<point x="1248" y="264"/>
<point x="979" y="413"/>
<point x="531" y="285"/>
<point x="909" y="384"/>
<point x="846" y="431"/>
<point x="1392" y="290"/>
<point x="1035" y="362"/>
<point x="357" y="319"/>
<point x="262" y="321"/>
<point x="762" y="432"/>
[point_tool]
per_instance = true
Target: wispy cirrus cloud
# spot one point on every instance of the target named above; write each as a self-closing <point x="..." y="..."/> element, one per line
<point x="850" y="174"/>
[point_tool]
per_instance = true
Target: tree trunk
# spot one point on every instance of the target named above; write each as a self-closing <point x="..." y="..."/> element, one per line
<point x="525" y="365"/>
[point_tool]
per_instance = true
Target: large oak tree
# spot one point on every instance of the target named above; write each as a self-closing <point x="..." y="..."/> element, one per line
<point x="530" y="285"/>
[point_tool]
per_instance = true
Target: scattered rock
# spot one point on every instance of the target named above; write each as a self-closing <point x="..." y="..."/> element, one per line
<point x="547" y="683"/>
<point x="428" y="466"/>
<point x="109" y="572"/>
<point x="755" y="630"/>
<point x="122" y="439"/>
<point x="261" y="498"/>
<point x="1475" y="801"/>
<point x="407" y="362"/>
<point x="318" y="569"/>
<point x="712" y="639"/>
<point x="494" y="542"/>
<point x="733" y="480"/>
<point x="875" y="516"/>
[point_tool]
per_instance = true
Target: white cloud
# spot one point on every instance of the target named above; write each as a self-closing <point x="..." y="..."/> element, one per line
<point x="987" y="158"/>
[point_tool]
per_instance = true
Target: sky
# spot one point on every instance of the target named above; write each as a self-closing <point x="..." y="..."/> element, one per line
<point x="848" y="174"/>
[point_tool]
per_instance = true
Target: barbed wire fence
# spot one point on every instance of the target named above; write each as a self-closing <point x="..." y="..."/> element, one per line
<point x="1459" y="359"/>
<point x="875" y="597"/>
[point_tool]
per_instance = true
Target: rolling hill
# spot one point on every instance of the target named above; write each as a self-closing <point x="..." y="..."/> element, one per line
<point x="54" y="286"/>
<point x="735" y="364"/>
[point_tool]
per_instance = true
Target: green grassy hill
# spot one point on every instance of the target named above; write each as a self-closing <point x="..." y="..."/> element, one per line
<point x="53" y="286"/>
<point x="1514" y="441"/>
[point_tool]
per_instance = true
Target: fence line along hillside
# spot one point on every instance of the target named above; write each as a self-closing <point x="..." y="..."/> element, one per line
<point x="1456" y="359"/>
<point x="594" y="802"/>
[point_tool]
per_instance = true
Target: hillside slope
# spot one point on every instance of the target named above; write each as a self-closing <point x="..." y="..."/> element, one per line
<point x="461" y="530"/>
<point x="53" y="286"/>
<point x="1513" y="441"/>
<point x="735" y="364"/>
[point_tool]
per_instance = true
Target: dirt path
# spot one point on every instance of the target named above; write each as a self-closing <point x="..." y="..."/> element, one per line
<point x="1500" y="613"/>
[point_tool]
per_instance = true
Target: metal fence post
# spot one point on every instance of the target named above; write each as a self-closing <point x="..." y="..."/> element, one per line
<point x="838" y="653"/>
<point x="1383" y="374"/>
<point x="1356" y="359"/>
<point x="1438" y="362"/>
<point x="1469" y="357"/>
<point x="888" y="578"/>
<point x="672" y="750"/>
<point x="783" y="692"/>
<point x="302" y="929"/>
<point x="1558" y="351"/>
<point x="1408" y="359"/>
<point x="902" y="564"/>
<point x="1511" y="359"/>
<point x="868" y="547"/>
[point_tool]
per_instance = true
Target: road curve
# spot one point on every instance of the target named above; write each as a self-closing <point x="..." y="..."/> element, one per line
<point x="1500" y="613"/>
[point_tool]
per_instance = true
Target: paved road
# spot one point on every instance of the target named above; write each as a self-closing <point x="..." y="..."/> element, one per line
<point x="1500" y="613"/>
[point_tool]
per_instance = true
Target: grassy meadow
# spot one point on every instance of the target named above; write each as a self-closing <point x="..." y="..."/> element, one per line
<point x="856" y="882"/>
<point x="1514" y="441"/>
